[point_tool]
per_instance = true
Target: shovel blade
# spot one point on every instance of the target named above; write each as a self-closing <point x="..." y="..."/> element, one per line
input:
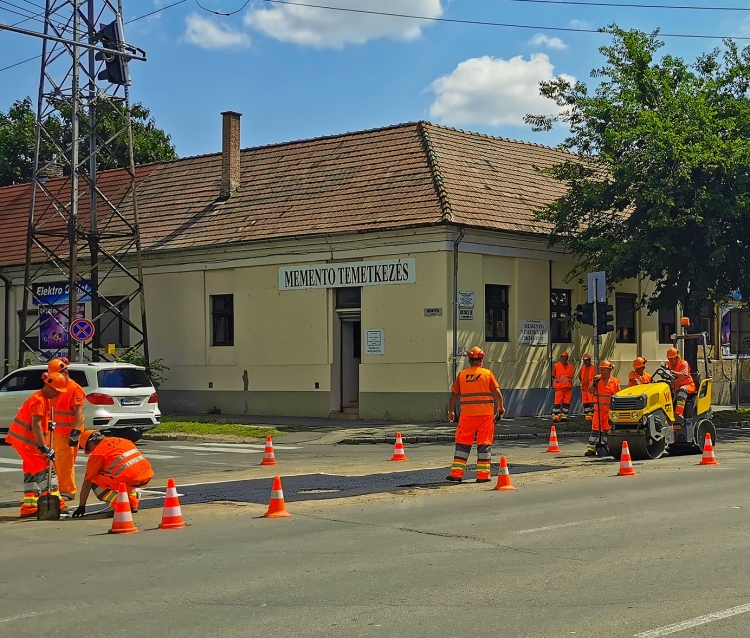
<point x="48" y="508"/>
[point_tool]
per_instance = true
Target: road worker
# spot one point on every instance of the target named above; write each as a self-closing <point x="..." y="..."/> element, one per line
<point x="477" y="392"/>
<point x="28" y="436"/>
<point x="638" y="375"/>
<point x="684" y="384"/>
<point x="605" y="385"/>
<point x="68" y="427"/>
<point x="112" y="461"/>
<point x="586" y="377"/>
<point x="562" y="381"/>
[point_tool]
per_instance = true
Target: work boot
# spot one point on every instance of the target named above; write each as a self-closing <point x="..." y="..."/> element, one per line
<point x="483" y="480"/>
<point x="590" y="453"/>
<point x="67" y="496"/>
<point x="679" y="419"/>
<point x="555" y="418"/>
<point x="454" y="479"/>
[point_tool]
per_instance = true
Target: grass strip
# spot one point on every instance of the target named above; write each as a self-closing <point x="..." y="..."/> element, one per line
<point x="179" y="425"/>
<point x="730" y="416"/>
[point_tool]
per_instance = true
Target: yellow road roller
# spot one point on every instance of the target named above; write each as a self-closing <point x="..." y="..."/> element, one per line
<point x="644" y="415"/>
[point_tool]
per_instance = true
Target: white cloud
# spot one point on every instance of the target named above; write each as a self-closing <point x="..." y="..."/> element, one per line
<point x="208" y="34"/>
<point x="323" y="28"/>
<point x="541" y="40"/>
<point x="580" y="24"/>
<point x="493" y="92"/>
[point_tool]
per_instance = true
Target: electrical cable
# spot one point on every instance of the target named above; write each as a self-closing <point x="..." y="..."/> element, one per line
<point x="619" y="5"/>
<point x="492" y="24"/>
<point x="219" y="13"/>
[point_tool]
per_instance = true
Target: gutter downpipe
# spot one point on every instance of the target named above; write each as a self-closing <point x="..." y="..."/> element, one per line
<point x="6" y="335"/>
<point x="460" y="237"/>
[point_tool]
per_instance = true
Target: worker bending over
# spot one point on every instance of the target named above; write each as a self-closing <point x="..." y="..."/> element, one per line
<point x="28" y="436"/>
<point x="112" y="461"/>
<point x="684" y="383"/>
<point x="562" y="381"/>
<point x="586" y="377"/>
<point x="605" y="386"/>
<point x="477" y="392"/>
<point x="638" y="375"/>
<point x="68" y="427"/>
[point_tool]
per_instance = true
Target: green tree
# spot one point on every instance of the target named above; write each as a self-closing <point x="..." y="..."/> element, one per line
<point x="660" y="187"/>
<point x="18" y="138"/>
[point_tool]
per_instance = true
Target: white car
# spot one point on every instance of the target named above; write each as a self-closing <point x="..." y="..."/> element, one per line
<point x="120" y="398"/>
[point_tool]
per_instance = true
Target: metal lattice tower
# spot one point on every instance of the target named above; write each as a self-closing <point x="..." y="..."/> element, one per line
<point x="83" y="223"/>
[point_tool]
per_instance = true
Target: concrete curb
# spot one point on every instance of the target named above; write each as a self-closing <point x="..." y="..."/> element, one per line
<point x="449" y="438"/>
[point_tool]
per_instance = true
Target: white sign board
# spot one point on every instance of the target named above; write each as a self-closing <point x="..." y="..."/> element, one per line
<point x="598" y="282"/>
<point x="358" y="273"/>
<point x="466" y="314"/>
<point x="466" y="299"/>
<point x="433" y="312"/>
<point x="374" y="342"/>
<point x="740" y="331"/>
<point x="533" y="332"/>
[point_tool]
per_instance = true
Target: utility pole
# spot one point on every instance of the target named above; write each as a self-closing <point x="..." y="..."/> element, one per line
<point x="83" y="230"/>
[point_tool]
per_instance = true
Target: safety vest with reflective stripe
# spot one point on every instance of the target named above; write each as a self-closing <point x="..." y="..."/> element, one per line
<point x="474" y="387"/>
<point x="563" y="376"/>
<point x="637" y="379"/>
<point x="586" y="376"/>
<point x="20" y="432"/>
<point x="604" y="392"/>
<point x="122" y="461"/>
<point x="65" y="415"/>
<point x="685" y="380"/>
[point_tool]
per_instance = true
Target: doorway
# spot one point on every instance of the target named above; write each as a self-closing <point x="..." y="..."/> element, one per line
<point x="347" y="353"/>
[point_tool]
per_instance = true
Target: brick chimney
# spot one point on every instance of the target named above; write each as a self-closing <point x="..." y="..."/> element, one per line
<point x="230" y="153"/>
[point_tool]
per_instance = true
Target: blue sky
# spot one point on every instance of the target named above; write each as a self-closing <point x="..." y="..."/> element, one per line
<point x="299" y="72"/>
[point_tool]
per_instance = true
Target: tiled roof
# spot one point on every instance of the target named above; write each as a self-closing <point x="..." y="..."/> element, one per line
<point x="407" y="175"/>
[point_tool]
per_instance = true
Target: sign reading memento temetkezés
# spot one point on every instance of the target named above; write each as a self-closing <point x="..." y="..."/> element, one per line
<point x="358" y="273"/>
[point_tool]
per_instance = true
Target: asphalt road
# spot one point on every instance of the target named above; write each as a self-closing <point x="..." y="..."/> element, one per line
<point x="574" y="552"/>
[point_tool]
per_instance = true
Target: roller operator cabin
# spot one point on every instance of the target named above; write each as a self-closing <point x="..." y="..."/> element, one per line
<point x="339" y="275"/>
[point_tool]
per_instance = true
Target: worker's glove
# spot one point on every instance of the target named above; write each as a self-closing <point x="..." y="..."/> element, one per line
<point x="80" y="511"/>
<point x="47" y="451"/>
<point x="73" y="438"/>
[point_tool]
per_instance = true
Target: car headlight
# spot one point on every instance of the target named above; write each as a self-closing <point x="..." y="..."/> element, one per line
<point x="634" y="416"/>
<point x="613" y="416"/>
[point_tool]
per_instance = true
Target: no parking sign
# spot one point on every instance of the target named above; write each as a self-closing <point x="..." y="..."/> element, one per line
<point x="82" y="330"/>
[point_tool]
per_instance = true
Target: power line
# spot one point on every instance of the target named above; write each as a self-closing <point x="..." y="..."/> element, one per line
<point x="141" y="17"/>
<point x="492" y="24"/>
<point x="584" y="3"/>
<point x="219" y="13"/>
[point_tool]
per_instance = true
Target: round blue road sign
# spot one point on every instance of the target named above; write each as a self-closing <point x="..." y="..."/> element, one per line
<point x="82" y="330"/>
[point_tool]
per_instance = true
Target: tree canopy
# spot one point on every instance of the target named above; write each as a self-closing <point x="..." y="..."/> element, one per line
<point x="18" y="139"/>
<point x="660" y="187"/>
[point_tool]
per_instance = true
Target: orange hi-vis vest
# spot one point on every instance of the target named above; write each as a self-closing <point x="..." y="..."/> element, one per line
<point x="20" y="433"/>
<point x="605" y="391"/>
<point x="117" y="459"/>
<point x="65" y="416"/>
<point x="586" y="376"/>
<point x="685" y="380"/>
<point x="563" y="376"/>
<point x="636" y="379"/>
<point x="474" y="387"/>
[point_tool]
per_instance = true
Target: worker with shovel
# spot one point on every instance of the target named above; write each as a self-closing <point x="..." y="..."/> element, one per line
<point x="605" y="387"/>
<point x="29" y="436"/>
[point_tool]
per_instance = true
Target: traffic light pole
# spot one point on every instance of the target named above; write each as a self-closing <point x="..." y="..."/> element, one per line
<point x="597" y="338"/>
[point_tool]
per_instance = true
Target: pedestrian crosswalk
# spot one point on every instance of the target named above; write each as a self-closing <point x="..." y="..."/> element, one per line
<point x="9" y="461"/>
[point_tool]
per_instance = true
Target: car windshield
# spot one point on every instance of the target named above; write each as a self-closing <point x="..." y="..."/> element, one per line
<point x="123" y="378"/>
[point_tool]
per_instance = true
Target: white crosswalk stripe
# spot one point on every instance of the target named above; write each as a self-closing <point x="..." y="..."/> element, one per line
<point x="8" y="469"/>
<point x="151" y="455"/>
<point x="12" y="461"/>
<point x="194" y="448"/>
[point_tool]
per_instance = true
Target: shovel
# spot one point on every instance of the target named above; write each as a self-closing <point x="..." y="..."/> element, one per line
<point x="48" y="506"/>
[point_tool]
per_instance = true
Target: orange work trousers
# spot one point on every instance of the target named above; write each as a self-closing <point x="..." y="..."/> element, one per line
<point x="601" y="419"/>
<point x="65" y="462"/>
<point x="482" y="427"/>
<point x="106" y="489"/>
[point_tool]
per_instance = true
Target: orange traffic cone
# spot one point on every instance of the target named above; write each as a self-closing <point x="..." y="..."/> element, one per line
<point x="503" y="477"/>
<point x="276" y="506"/>
<point x="398" y="450"/>
<point x="553" y="447"/>
<point x="268" y="456"/>
<point x="171" y="517"/>
<point x="708" y="453"/>
<point x="123" y="520"/>
<point x="626" y="463"/>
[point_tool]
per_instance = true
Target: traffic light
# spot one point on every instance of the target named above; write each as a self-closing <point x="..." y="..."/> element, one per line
<point x="604" y="320"/>
<point x="115" y="66"/>
<point x="585" y="313"/>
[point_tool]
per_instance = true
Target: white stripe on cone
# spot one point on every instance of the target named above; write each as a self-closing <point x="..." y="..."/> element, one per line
<point x="277" y="494"/>
<point x="172" y="512"/>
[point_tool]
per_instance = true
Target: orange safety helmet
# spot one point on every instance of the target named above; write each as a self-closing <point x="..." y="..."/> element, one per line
<point x="475" y="353"/>
<point x="673" y="353"/>
<point x="57" y="365"/>
<point x="587" y="357"/>
<point x="606" y="365"/>
<point x="564" y="354"/>
<point x="56" y="381"/>
<point x="640" y="362"/>
<point x="86" y="435"/>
